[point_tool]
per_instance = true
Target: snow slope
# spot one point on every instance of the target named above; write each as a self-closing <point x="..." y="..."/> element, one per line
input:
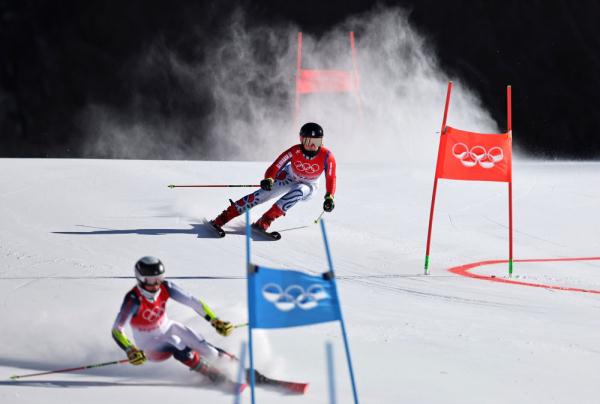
<point x="72" y="229"/>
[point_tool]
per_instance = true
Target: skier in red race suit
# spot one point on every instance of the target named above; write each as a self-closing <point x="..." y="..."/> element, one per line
<point x="294" y="176"/>
<point x="157" y="338"/>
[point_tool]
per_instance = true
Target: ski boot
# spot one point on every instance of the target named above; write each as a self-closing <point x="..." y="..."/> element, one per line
<point x="269" y="216"/>
<point x="217" y="223"/>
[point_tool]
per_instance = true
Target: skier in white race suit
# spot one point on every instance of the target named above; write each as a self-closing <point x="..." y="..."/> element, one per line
<point x="294" y="176"/>
<point x="156" y="337"/>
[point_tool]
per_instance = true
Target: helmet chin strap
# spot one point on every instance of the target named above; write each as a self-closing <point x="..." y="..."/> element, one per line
<point x="151" y="296"/>
<point x="310" y="153"/>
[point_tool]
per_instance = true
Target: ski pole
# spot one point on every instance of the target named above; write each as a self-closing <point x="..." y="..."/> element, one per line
<point x="214" y="186"/>
<point x="319" y="218"/>
<point x="224" y="352"/>
<point x="98" y="365"/>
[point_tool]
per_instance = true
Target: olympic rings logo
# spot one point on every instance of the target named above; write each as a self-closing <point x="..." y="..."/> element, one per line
<point x="477" y="155"/>
<point x="306" y="167"/>
<point x="294" y="296"/>
<point x="154" y="314"/>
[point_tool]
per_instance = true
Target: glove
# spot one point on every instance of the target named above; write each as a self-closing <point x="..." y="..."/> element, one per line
<point x="328" y="205"/>
<point x="136" y="356"/>
<point x="267" y="184"/>
<point x="224" y="328"/>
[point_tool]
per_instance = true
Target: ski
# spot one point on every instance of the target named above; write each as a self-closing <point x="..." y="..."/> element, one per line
<point x="229" y="386"/>
<point x="283" y="386"/>
<point x="218" y="230"/>
<point x="271" y="235"/>
<point x="288" y="387"/>
<point x="219" y="379"/>
<point x="233" y="387"/>
<point x="280" y="385"/>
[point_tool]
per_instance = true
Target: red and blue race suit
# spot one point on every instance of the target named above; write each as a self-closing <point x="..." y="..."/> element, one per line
<point x="296" y="178"/>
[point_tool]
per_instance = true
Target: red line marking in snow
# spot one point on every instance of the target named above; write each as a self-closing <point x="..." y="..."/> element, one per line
<point x="463" y="270"/>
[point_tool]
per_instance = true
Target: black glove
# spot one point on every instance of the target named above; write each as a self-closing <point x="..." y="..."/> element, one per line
<point x="328" y="205"/>
<point x="267" y="184"/>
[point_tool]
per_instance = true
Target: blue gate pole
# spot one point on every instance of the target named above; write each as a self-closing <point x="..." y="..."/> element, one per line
<point x="339" y="311"/>
<point x="250" y="290"/>
<point x="240" y="377"/>
<point x="330" y="372"/>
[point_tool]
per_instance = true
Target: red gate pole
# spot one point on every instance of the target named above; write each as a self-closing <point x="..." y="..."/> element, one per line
<point x="435" y="180"/>
<point x="510" y="206"/>
<point x="298" y="71"/>
<point x="355" y="76"/>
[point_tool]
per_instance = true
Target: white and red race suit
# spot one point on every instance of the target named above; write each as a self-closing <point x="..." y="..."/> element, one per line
<point x="153" y="332"/>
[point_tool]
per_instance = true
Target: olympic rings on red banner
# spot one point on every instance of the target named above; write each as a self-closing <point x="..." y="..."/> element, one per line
<point x="477" y="155"/>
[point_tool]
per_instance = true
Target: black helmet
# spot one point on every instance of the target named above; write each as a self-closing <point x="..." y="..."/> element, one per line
<point x="149" y="271"/>
<point x="311" y="129"/>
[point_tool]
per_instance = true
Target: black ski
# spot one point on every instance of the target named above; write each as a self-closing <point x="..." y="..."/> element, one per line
<point x="271" y="235"/>
<point x="219" y="230"/>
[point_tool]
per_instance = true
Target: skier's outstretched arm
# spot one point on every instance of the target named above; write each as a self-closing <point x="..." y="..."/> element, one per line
<point x="179" y="295"/>
<point x="330" y="182"/>
<point x="129" y="307"/>
<point x="279" y="163"/>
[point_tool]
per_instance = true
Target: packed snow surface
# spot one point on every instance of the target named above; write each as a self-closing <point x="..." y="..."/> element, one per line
<point x="71" y="231"/>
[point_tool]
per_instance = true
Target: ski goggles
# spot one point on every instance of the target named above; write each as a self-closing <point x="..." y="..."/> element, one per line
<point x="311" y="143"/>
<point x="151" y="280"/>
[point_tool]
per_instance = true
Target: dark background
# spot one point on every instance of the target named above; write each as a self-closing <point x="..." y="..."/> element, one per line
<point x="58" y="56"/>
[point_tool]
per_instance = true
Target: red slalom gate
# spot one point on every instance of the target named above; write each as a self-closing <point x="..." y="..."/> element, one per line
<point x="474" y="156"/>
<point x="326" y="81"/>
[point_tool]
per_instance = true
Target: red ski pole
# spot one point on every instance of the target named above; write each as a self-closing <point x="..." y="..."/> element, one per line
<point x="214" y="186"/>
<point x="98" y="365"/>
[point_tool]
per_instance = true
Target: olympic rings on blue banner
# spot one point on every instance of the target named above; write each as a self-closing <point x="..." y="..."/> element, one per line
<point x="294" y="296"/>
